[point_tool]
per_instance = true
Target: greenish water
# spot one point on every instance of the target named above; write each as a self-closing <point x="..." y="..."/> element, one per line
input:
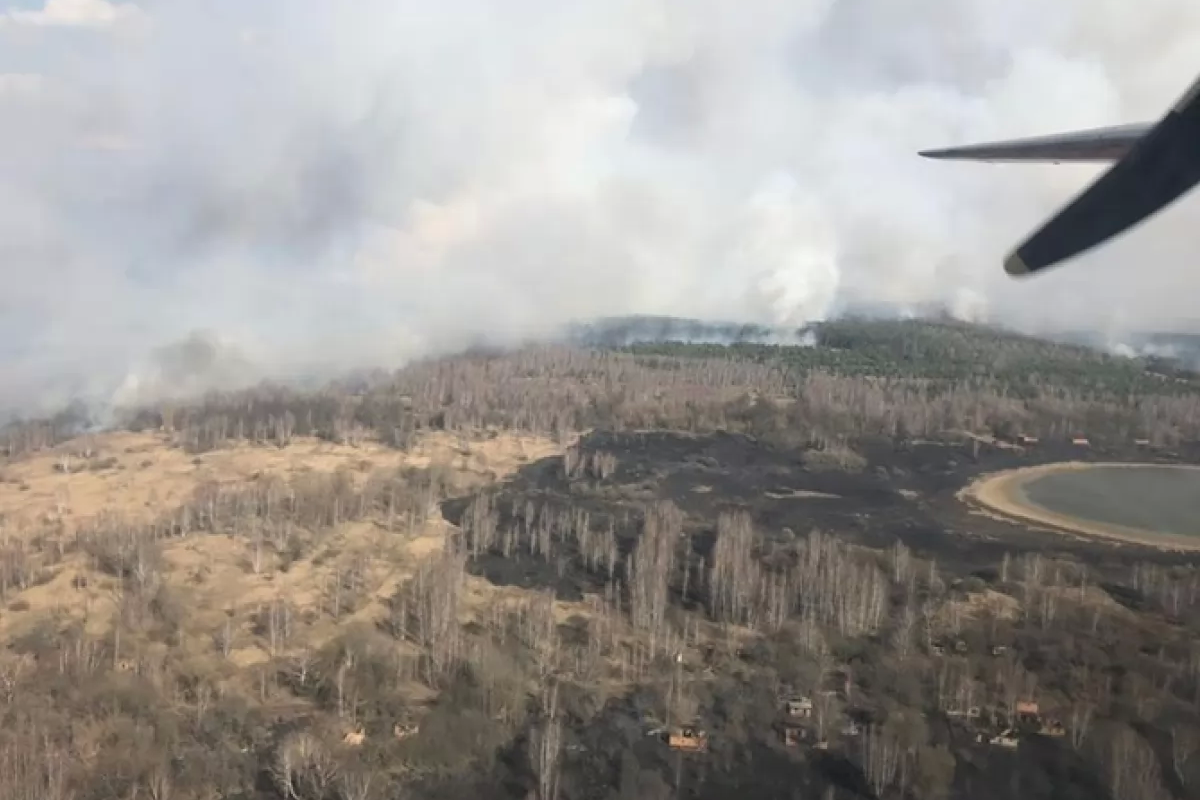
<point x="1161" y="499"/>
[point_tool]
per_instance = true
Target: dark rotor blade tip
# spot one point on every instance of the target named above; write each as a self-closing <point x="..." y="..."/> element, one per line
<point x="1015" y="265"/>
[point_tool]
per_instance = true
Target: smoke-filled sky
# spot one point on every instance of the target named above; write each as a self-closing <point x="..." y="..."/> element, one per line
<point x="320" y="184"/>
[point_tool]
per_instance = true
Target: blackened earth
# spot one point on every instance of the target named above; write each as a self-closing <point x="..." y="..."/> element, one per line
<point x="906" y="493"/>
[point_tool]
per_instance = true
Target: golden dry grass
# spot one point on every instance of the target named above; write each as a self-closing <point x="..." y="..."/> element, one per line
<point x="147" y="475"/>
<point x="209" y="575"/>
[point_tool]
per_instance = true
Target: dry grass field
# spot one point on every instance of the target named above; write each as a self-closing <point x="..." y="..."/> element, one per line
<point x="214" y="580"/>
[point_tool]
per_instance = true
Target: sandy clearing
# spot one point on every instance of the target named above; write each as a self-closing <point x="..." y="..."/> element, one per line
<point x="1001" y="493"/>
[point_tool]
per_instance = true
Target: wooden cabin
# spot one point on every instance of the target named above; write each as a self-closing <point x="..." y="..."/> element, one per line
<point x="1006" y="739"/>
<point x="1028" y="712"/>
<point x="1054" y="728"/>
<point x="794" y="736"/>
<point x="689" y="739"/>
<point x="800" y="707"/>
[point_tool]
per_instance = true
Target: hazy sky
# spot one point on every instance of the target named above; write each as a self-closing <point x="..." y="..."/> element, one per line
<point x="320" y="182"/>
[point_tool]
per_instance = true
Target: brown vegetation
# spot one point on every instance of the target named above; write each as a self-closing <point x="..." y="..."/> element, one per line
<point x="294" y="617"/>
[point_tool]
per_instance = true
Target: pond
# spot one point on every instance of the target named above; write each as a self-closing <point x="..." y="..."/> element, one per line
<point x="1158" y="499"/>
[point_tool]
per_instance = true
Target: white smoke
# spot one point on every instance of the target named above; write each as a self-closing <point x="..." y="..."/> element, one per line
<point x="350" y="184"/>
<point x="203" y="361"/>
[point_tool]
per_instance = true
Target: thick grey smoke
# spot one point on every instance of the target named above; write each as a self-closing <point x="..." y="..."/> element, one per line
<point x="345" y="184"/>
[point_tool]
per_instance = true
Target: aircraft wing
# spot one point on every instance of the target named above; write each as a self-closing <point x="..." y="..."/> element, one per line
<point x="1159" y="168"/>
<point x="1096" y="144"/>
<point x="1156" y="164"/>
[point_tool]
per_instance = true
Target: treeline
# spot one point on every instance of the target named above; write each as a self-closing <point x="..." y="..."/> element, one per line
<point x="25" y="436"/>
<point x="556" y="390"/>
<point x="862" y="378"/>
<point x="949" y="353"/>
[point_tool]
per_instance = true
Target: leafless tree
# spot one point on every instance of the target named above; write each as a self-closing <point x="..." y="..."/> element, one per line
<point x="827" y="711"/>
<point x="355" y="785"/>
<point x="546" y="741"/>
<point x="1184" y="744"/>
<point x="1133" y="769"/>
<point x="902" y="637"/>
<point x="429" y="605"/>
<point x="225" y="637"/>
<point x="840" y="589"/>
<point x="881" y="757"/>
<point x="736" y="576"/>
<point x="650" y="570"/>
<point x="303" y="768"/>
<point x="1080" y="723"/>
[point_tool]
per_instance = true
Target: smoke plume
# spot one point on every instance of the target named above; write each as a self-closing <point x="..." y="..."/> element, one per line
<point x="337" y="185"/>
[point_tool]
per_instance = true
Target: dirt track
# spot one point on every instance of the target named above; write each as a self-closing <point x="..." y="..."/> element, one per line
<point x="1001" y="493"/>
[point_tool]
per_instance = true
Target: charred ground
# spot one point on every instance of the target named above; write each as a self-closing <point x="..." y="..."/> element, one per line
<point x="532" y="574"/>
<point x="900" y="491"/>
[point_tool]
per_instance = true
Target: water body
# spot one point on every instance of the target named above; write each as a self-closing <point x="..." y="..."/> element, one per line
<point x="1158" y="499"/>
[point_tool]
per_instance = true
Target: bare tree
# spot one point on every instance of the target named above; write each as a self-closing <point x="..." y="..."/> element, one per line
<point x="355" y="785"/>
<point x="902" y="637"/>
<point x="881" y="756"/>
<point x="736" y="575"/>
<point x="546" y="741"/>
<point x="827" y="710"/>
<point x="650" y="570"/>
<point x="225" y="637"/>
<point x="428" y="607"/>
<point x="303" y="768"/>
<point x="839" y="588"/>
<point x="1133" y="769"/>
<point x="1184" y="744"/>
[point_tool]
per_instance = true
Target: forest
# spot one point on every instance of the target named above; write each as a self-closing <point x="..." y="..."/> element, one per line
<point x="711" y="570"/>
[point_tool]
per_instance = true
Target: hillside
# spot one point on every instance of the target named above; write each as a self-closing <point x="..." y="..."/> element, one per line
<point x="538" y="573"/>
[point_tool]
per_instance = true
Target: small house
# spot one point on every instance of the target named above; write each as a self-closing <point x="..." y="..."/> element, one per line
<point x="354" y="738"/>
<point x="1054" y="728"/>
<point x="689" y="739"/>
<point x="1028" y="712"/>
<point x="970" y="712"/>
<point x="1080" y="441"/>
<point x="402" y="732"/>
<point x="800" y="707"/>
<point x="794" y="736"/>
<point x="1006" y="739"/>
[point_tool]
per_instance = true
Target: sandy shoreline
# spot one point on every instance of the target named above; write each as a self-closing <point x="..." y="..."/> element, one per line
<point x="1001" y="493"/>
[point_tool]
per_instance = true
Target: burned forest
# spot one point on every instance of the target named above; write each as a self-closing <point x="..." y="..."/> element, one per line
<point x="603" y="569"/>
